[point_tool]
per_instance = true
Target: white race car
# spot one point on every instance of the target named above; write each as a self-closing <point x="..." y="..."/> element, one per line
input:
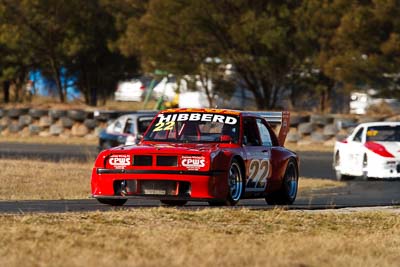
<point x="372" y="150"/>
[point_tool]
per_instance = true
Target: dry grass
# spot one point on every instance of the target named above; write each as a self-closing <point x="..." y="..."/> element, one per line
<point x="211" y="237"/>
<point x="170" y="237"/>
<point x="27" y="179"/>
<point x="306" y="184"/>
<point x="310" y="147"/>
<point x="48" y="140"/>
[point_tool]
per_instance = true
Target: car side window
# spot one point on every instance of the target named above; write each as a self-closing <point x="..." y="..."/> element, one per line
<point x="143" y="124"/>
<point x="129" y="127"/>
<point x="118" y="126"/>
<point x="250" y="132"/>
<point x="358" y="135"/>
<point x="264" y="133"/>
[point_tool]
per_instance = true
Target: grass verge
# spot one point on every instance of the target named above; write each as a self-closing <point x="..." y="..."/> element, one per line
<point x="49" y="140"/>
<point x="212" y="237"/>
<point x="310" y="147"/>
<point x="29" y="179"/>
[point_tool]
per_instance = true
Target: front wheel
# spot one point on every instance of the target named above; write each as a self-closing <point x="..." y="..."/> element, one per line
<point x="235" y="186"/>
<point x="288" y="191"/>
<point x="364" y="175"/>
<point x="112" y="201"/>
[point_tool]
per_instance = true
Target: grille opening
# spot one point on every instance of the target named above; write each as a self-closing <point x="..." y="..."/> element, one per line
<point x="184" y="189"/>
<point x="167" y="161"/>
<point x="142" y="160"/>
<point x="152" y="187"/>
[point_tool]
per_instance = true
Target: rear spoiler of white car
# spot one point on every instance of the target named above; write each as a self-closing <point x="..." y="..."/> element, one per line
<point x="281" y="118"/>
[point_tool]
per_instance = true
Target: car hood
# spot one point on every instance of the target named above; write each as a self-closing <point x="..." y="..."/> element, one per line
<point x="169" y="148"/>
<point x="185" y="157"/>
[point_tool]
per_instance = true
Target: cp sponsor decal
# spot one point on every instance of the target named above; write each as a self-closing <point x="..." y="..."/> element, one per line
<point x="193" y="162"/>
<point x="119" y="161"/>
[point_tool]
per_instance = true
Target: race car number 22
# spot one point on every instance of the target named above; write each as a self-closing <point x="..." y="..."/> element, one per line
<point x="164" y="126"/>
<point x="259" y="171"/>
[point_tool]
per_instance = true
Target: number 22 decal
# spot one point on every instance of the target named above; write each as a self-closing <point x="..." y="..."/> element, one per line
<point x="259" y="171"/>
<point x="164" y="126"/>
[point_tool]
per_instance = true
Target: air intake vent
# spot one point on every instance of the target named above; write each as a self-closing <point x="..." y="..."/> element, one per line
<point x="142" y="160"/>
<point x="167" y="161"/>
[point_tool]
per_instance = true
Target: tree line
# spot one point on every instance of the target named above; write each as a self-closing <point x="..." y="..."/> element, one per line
<point x="303" y="48"/>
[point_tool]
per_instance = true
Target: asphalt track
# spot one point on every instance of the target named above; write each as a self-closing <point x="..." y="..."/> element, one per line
<point x="313" y="164"/>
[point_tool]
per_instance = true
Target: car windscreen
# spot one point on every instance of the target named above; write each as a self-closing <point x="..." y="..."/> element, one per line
<point x="384" y="133"/>
<point x="194" y="127"/>
<point x="143" y="123"/>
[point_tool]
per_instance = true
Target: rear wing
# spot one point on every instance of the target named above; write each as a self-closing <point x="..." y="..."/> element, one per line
<point x="276" y="118"/>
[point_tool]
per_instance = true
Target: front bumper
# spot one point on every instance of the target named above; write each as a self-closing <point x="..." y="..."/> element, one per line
<point x="159" y="184"/>
<point x="384" y="171"/>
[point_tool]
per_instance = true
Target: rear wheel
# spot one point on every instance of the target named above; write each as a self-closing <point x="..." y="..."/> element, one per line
<point x="174" y="202"/>
<point x="235" y="186"/>
<point x="338" y="172"/>
<point x="112" y="201"/>
<point x="288" y="191"/>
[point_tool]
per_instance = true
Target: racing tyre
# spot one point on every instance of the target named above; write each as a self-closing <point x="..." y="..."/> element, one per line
<point x="90" y="123"/>
<point x="235" y="184"/>
<point x="37" y="113"/>
<point x="174" y="202"/>
<point x="112" y="201"/>
<point x="288" y="192"/>
<point x="16" y="112"/>
<point x="339" y="175"/>
<point x="77" y="115"/>
<point x="364" y="176"/>
<point x="56" y="114"/>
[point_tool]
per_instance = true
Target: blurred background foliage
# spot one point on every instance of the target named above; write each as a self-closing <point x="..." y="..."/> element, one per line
<point x="309" y="48"/>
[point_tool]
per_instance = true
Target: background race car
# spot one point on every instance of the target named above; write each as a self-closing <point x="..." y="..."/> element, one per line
<point x="126" y="129"/>
<point x="372" y="150"/>
<point x="213" y="155"/>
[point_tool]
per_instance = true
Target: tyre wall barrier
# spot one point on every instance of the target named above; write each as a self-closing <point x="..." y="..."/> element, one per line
<point x="54" y="122"/>
<point x="327" y="128"/>
<point x="304" y="129"/>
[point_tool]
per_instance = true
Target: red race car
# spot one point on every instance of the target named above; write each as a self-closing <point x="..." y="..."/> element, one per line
<point x="214" y="155"/>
